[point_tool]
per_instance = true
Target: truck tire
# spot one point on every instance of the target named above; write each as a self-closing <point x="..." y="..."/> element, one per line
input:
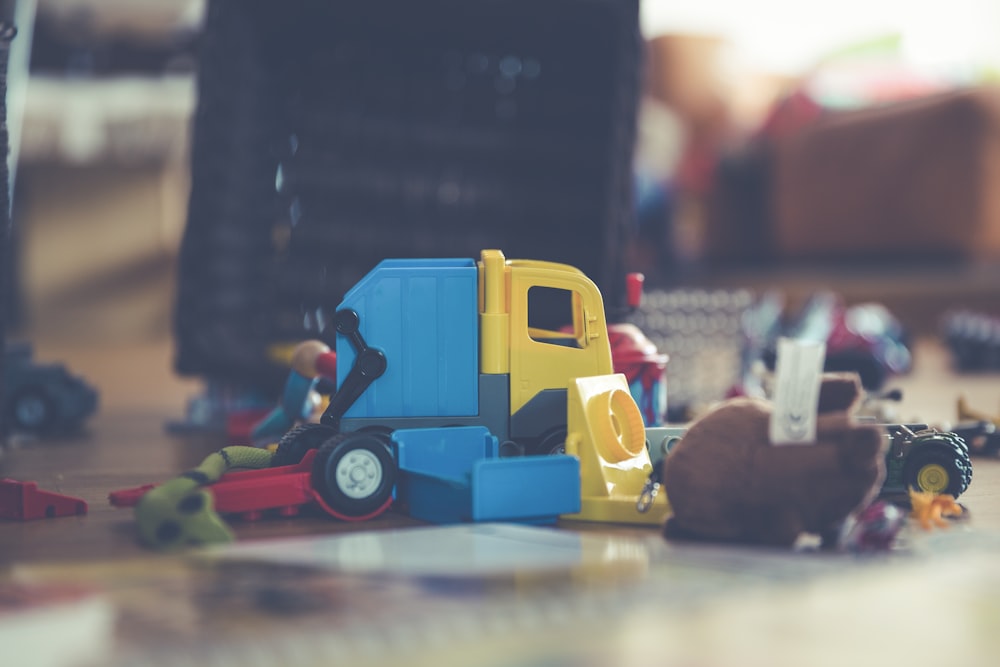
<point x="553" y="442"/>
<point x="355" y="474"/>
<point x="294" y="444"/>
<point x="937" y="470"/>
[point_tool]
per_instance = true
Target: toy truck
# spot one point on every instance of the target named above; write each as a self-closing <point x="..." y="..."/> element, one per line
<point x="503" y="344"/>
<point x="926" y="459"/>
<point x="43" y="397"/>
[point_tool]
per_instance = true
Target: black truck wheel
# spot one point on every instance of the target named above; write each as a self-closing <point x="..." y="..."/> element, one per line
<point x="355" y="473"/>
<point x="937" y="471"/>
<point x="554" y="442"/>
<point x="294" y="444"/>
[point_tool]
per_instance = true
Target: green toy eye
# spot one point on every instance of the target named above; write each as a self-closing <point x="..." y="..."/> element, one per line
<point x="191" y="504"/>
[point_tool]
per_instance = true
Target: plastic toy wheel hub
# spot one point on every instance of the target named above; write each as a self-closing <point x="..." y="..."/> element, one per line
<point x="933" y="478"/>
<point x="30" y="410"/>
<point x="359" y="474"/>
<point x="354" y="474"/>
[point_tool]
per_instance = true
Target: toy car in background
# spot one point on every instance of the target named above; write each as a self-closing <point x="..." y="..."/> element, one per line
<point x="925" y="459"/>
<point x="43" y="398"/>
<point x="982" y="437"/>
<point x="980" y="430"/>
<point x="644" y="368"/>
<point x="973" y="338"/>
<point x="865" y="338"/>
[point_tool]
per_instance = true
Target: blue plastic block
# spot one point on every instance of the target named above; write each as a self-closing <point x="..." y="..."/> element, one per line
<point x="451" y="475"/>
<point x="447" y="451"/>
<point x="534" y="489"/>
<point x="424" y="315"/>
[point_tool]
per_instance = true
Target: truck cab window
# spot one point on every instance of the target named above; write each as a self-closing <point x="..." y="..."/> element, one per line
<point x="555" y="316"/>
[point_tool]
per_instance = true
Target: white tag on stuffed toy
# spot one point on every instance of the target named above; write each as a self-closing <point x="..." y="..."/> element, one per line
<point x="797" y="377"/>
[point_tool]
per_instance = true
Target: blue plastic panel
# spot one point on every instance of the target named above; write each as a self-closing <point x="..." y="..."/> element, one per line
<point x="536" y="488"/>
<point x="444" y="452"/>
<point x="423" y="314"/>
<point x="452" y="475"/>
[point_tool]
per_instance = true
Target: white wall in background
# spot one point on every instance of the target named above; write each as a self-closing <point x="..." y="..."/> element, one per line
<point x="788" y="36"/>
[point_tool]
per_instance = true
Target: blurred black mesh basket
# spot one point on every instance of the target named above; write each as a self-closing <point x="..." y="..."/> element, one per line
<point x="330" y="135"/>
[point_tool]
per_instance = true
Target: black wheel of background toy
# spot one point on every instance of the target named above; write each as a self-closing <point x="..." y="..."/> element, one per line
<point x="31" y="411"/>
<point x="294" y="444"/>
<point x="935" y="472"/>
<point x="554" y="442"/>
<point x="992" y="446"/>
<point x="355" y="473"/>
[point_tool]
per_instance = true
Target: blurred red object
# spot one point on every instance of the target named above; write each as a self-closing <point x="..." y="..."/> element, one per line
<point x="24" y="501"/>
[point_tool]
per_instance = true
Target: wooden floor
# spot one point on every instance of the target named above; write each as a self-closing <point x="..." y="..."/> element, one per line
<point x="786" y="617"/>
<point x="127" y="444"/>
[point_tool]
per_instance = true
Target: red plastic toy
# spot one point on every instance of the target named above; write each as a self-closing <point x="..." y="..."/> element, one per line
<point x="644" y="368"/>
<point x="24" y="501"/>
<point x="248" y="493"/>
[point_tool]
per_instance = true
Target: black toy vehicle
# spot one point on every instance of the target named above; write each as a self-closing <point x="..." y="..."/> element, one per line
<point x="925" y="459"/>
<point x="973" y="337"/>
<point x="865" y="338"/>
<point x="42" y="398"/>
<point x="981" y="435"/>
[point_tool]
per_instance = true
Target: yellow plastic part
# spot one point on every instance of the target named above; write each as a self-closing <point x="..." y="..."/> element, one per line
<point x="281" y="353"/>
<point x="618" y="425"/>
<point x="933" y="478"/>
<point x="494" y="318"/>
<point x="605" y="431"/>
<point x="536" y="365"/>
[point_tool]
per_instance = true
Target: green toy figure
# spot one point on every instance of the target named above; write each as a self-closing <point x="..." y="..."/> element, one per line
<point x="181" y="512"/>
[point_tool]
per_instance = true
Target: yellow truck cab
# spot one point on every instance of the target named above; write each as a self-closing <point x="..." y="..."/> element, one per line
<point x="540" y="362"/>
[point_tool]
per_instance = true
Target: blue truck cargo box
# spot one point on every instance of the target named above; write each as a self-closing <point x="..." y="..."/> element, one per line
<point x="452" y="475"/>
<point x="424" y="315"/>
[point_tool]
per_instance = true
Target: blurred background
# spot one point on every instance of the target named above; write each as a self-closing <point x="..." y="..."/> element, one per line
<point x="737" y="148"/>
<point x="100" y="96"/>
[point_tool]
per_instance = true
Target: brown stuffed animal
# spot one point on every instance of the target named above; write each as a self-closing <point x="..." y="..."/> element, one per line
<point x="726" y="481"/>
